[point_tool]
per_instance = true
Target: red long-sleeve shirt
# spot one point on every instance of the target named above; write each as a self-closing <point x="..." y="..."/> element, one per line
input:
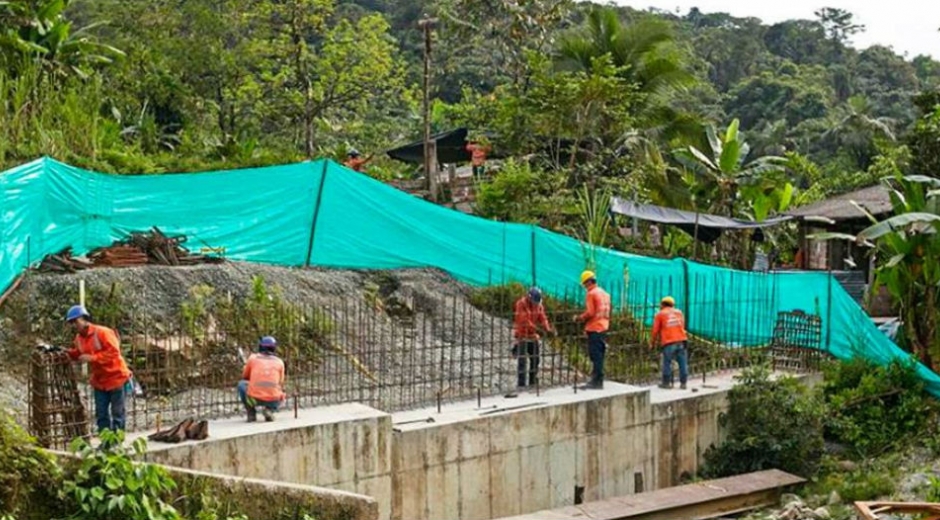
<point x="527" y="317"/>
<point x="108" y="369"/>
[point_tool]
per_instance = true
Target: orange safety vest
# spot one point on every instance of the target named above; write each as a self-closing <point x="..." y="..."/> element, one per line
<point x="669" y="324"/>
<point x="265" y="375"/>
<point x="597" y="310"/>
<point x="107" y="366"/>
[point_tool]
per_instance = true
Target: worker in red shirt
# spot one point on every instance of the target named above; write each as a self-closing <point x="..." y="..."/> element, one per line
<point x="528" y="318"/>
<point x="354" y="160"/>
<point x="596" y="319"/>
<point x="262" y="381"/>
<point x="478" y="153"/>
<point x="669" y="330"/>
<point x="99" y="347"/>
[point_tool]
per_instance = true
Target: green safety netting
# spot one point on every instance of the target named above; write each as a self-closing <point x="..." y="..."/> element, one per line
<point x="319" y="213"/>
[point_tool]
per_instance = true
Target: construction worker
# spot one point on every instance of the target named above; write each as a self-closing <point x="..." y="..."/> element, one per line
<point x="529" y="317"/>
<point x="354" y="161"/>
<point x="478" y="153"/>
<point x="669" y="330"/>
<point x="100" y="348"/>
<point x="596" y="319"/>
<point x="262" y="381"/>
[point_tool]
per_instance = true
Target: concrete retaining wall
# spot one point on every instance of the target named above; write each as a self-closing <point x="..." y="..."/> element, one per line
<point x="473" y="462"/>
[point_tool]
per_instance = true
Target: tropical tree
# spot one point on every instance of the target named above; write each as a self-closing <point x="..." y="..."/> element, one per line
<point x="856" y="130"/>
<point x="906" y="246"/>
<point x="39" y="31"/>
<point x="646" y="55"/>
<point x="723" y="172"/>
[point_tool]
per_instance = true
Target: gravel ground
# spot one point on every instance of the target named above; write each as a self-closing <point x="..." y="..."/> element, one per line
<point x="423" y="336"/>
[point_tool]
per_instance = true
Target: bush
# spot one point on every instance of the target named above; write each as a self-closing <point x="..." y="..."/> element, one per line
<point x="27" y="473"/>
<point x="770" y="424"/>
<point x="873" y="409"/>
<point x="109" y="483"/>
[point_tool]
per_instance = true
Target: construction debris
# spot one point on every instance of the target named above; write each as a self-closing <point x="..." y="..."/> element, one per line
<point x="63" y="262"/>
<point x="186" y="429"/>
<point x="150" y="248"/>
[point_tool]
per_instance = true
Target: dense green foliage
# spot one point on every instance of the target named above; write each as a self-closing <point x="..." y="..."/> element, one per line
<point x="770" y="423"/>
<point x="860" y="410"/>
<point x="872" y="409"/>
<point x="106" y="482"/>
<point x="109" y="483"/>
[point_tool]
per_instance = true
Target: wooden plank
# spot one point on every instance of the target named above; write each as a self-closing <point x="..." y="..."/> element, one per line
<point x="873" y="510"/>
<point x="701" y="500"/>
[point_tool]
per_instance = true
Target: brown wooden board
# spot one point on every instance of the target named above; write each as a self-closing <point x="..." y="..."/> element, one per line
<point x="702" y="500"/>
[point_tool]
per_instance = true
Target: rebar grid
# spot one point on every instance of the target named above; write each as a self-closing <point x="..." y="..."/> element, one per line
<point x="416" y="350"/>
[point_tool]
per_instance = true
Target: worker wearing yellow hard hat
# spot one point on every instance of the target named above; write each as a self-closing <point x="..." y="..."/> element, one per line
<point x="596" y="319"/>
<point x="669" y="330"/>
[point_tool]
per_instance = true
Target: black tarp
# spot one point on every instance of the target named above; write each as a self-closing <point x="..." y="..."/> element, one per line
<point x="709" y="226"/>
<point x="451" y="149"/>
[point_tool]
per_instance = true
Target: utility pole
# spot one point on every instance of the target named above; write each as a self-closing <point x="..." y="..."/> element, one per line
<point x="430" y="153"/>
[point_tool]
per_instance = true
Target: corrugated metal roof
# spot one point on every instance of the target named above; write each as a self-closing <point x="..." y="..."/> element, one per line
<point x="875" y="199"/>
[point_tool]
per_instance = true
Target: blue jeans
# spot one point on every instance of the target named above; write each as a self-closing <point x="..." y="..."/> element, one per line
<point x="109" y="409"/>
<point x="678" y="352"/>
<point x="250" y="402"/>
<point x="597" y="347"/>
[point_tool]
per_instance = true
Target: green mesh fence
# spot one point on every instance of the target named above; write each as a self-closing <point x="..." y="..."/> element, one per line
<point x="319" y="213"/>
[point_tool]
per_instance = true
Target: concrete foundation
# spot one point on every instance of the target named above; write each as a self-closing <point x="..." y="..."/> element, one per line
<point x="507" y="456"/>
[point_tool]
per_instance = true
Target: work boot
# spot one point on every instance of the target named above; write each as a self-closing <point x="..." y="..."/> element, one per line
<point x="252" y="414"/>
<point x="664" y="386"/>
<point x="268" y="414"/>
<point x="682" y="386"/>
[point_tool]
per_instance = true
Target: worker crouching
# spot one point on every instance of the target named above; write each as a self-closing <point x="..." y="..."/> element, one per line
<point x="262" y="381"/>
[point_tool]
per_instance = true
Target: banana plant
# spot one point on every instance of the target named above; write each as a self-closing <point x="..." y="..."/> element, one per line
<point x="40" y="31"/>
<point x="724" y="173"/>
<point x="906" y="246"/>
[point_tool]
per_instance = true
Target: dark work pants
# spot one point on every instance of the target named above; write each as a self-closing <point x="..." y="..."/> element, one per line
<point x="528" y="361"/>
<point x="597" y="348"/>
<point x="109" y="409"/>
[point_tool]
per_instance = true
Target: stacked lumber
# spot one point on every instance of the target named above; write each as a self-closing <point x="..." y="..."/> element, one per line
<point x="118" y="256"/>
<point x="148" y="248"/>
<point x="63" y="262"/>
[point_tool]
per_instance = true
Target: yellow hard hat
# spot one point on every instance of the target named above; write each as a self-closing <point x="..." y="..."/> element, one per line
<point x="668" y="300"/>
<point x="587" y="275"/>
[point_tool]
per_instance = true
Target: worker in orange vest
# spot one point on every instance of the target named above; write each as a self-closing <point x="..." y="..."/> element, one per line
<point x="669" y="329"/>
<point x="262" y="381"/>
<point x="596" y="319"/>
<point x="100" y="348"/>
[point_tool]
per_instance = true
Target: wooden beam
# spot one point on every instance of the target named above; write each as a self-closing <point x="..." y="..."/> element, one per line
<point x="702" y="500"/>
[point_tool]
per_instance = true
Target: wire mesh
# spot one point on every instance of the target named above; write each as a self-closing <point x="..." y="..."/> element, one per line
<point x="416" y="349"/>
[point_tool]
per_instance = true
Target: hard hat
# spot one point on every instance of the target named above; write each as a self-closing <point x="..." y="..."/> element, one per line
<point x="535" y="295"/>
<point x="75" y="312"/>
<point x="353" y="152"/>
<point x="267" y="343"/>
<point x="668" y="300"/>
<point x="587" y="275"/>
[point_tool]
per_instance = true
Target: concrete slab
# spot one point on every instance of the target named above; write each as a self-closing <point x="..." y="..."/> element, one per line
<point x="236" y="427"/>
<point x="714" y="384"/>
<point x="490" y="406"/>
